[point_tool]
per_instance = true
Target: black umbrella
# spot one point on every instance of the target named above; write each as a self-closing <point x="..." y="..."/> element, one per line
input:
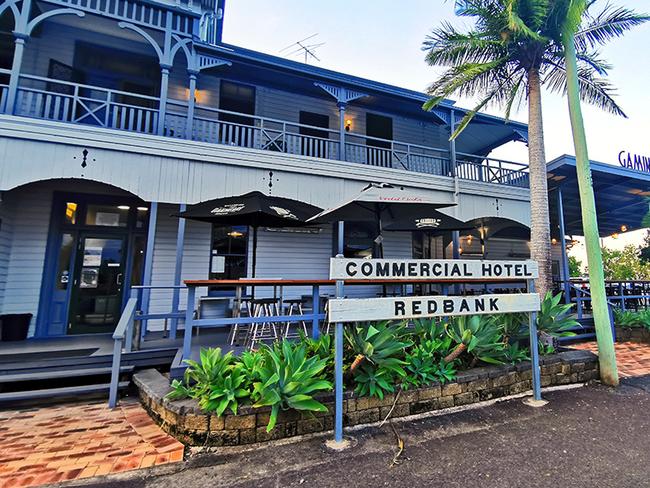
<point x="378" y="203"/>
<point x="253" y="209"/>
<point x="428" y="220"/>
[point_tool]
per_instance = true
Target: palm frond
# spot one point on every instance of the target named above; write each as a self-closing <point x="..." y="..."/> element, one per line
<point x="593" y="89"/>
<point x="610" y="24"/>
<point x="446" y="46"/>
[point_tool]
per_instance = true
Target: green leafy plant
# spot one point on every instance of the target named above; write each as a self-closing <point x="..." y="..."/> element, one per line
<point x="322" y="348"/>
<point x="513" y="326"/>
<point x="632" y="320"/>
<point x="478" y="335"/>
<point x="424" y="364"/>
<point x="514" y="353"/>
<point x="216" y="381"/>
<point x="378" y="351"/>
<point x="288" y="380"/>
<point x="376" y="381"/>
<point x="554" y="318"/>
<point x="382" y="344"/>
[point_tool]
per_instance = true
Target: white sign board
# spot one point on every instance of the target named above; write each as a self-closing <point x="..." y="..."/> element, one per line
<point x="431" y="269"/>
<point x="369" y="309"/>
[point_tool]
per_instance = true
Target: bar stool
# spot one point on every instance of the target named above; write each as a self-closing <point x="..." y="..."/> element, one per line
<point x="294" y="305"/>
<point x="261" y="331"/>
<point x="244" y="311"/>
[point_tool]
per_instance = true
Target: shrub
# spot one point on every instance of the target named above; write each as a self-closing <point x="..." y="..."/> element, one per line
<point x="288" y="379"/>
<point x="555" y="318"/>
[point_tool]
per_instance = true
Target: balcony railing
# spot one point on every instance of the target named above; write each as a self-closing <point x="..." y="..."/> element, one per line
<point x="64" y="101"/>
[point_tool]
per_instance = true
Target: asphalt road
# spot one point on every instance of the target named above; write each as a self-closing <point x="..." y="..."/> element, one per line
<point x="586" y="437"/>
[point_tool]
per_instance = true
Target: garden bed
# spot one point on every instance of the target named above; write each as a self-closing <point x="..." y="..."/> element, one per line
<point x="188" y="423"/>
<point x="637" y="334"/>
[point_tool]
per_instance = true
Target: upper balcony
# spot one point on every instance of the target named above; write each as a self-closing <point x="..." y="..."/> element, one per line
<point x="94" y="69"/>
<point x="59" y="100"/>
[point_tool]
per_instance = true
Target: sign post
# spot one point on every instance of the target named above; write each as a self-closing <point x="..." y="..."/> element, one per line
<point x="444" y="271"/>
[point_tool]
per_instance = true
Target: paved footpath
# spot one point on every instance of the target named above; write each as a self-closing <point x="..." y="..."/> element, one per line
<point x="632" y="358"/>
<point x="586" y="437"/>
<point x="66" y="442"/>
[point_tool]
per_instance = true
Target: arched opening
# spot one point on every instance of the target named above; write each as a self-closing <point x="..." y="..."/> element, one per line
<point x="74" y="249"/>
<point x="495" y="238"/>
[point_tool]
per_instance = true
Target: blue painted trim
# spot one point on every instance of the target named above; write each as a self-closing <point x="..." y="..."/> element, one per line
<point x="189" y="322"/>
<point x="178" y="268"/>
<point x="565" y="257"/>
<point x="50" y="265"/>
<point x="148" y="263"/>
<point x="315" y="300"/>
<point x="534" y="349"/>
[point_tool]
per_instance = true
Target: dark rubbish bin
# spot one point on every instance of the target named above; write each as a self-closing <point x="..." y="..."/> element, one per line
<point x="15" y="326"/>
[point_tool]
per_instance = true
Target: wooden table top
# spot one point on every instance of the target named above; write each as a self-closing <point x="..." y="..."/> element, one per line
<point x="326" y="282"/>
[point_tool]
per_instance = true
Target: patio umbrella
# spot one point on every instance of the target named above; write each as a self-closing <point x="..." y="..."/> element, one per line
<point x="380" y="202"/>
<point x="430" y="221"/>
<point x="254" y="209"/>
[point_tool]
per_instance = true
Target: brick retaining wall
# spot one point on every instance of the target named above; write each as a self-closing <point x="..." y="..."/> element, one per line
<point x="188" y="423"/>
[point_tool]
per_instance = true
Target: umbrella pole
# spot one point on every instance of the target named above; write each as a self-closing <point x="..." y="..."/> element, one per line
<point x="254" y="258"/>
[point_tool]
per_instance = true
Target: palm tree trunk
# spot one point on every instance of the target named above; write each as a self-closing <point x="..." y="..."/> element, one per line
<point x="540" y="233"/>
<point x="604" y="336"/>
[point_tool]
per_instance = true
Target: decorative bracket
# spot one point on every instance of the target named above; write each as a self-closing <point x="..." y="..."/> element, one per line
<point x="342" y="95"/>
<point x="205" y="61"/>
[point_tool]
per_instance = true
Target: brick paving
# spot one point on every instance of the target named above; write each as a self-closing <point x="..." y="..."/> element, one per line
<point x="633" y="358"/>
<point x="68" y="442"/>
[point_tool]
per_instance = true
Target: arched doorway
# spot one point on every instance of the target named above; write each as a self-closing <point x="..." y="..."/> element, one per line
<point x="93" y="249"/>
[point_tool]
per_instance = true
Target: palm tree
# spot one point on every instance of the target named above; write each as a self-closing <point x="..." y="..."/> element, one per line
<point x="577" y="32"/>
<point x="505" y="59"/>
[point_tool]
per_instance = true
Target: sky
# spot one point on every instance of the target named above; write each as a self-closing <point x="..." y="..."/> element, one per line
<point x="381" y="40"/>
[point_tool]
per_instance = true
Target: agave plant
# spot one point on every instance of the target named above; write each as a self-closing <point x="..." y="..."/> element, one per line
<point x="376" y="381"/>
<point x="477" y="335"/>
<point x="424" y="364"/>
<point x="199" y="375"/>
<point x="381" y="344"/>
<point x="216" y="381"/>
<point x="226" y="392"/>
<point x="322" y="348"/>
<point x="513" y="326"/>
<point x="288" y="379"/>
<point x="428" y="329"/>
<point x="555" y="318"/>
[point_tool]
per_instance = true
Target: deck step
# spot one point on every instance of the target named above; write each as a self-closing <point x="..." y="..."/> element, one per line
<point x="60" y="374"/>
<point x="142" y="358"/>
<point x="69" y="391"/>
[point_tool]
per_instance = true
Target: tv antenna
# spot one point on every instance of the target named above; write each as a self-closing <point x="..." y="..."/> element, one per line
<point x="303" y="48"/>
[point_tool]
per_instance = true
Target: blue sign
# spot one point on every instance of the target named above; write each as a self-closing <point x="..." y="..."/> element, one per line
<point x="634" y="161"/>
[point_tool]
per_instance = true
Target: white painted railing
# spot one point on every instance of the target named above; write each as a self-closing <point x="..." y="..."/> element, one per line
<point x="65" y="101"/>
<point x="84" y="104"/>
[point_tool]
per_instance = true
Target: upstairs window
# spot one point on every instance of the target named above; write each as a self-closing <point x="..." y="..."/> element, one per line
<point x="236" y="130"/>
<point x="380" y="131"/>
<point x="234" y="97"/>
<point x="314" y="143"/>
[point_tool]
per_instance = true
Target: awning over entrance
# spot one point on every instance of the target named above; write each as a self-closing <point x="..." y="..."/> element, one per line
<point x="622" y="196"/>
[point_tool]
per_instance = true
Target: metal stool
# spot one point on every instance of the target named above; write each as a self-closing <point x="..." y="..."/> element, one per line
<point x="244" y="311"/>
<point x="294" y="304"/>
<point x="261" y="331"/>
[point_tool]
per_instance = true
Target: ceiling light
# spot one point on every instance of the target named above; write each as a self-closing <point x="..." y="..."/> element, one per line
<point x="123" y="207"/>
<point x="143" y="209"/>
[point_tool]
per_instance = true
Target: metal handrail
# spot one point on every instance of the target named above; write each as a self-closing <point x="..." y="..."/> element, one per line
<point x="122" y="338"/>
<point x="265" y="133"/>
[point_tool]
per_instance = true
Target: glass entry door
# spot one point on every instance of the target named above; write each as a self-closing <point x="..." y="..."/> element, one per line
<point x="96" y="298"/>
